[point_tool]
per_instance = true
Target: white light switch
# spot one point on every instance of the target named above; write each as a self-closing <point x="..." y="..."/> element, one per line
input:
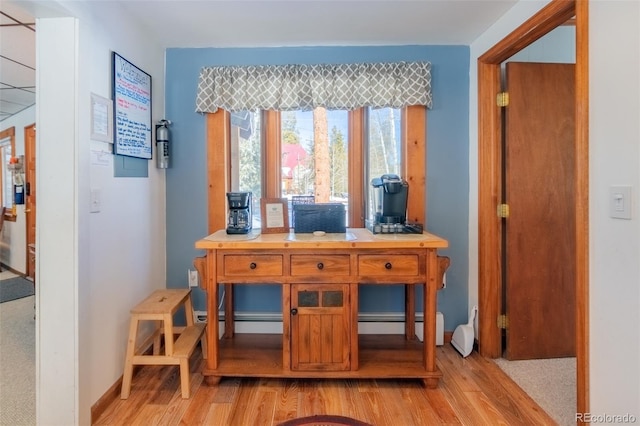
<point x="620" y="202"/>
<point x="95" y="200"/>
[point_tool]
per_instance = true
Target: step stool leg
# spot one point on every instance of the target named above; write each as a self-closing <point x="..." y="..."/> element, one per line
<point x="158" y="337"/>
<point x="184" y="377"/>
<point x="168" y="334"/>
<point x="127" y="376"/>
<point x="188" y="310"/>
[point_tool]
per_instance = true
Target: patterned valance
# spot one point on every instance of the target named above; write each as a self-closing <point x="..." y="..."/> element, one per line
<point x="305" y="87"/>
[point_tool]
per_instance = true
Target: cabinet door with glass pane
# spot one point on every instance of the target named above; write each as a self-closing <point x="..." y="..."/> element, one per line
<point x="320" y="327"/>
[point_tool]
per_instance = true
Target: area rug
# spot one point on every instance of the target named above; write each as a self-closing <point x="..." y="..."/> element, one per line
<point x="324" y="420"/>
<point x="15" y="288"/>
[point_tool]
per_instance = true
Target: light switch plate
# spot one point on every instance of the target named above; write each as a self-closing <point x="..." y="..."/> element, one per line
<point x="620" y="202"/>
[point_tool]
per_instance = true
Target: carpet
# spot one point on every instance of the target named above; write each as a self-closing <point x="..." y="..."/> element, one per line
<point x="323" y="420"/>
<point x="18" y="366"/>
<point x="549" y="382"/>
<point x="15" y="288"/>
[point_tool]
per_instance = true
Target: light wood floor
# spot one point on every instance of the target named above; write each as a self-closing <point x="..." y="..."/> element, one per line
<point x="473" y="391"/>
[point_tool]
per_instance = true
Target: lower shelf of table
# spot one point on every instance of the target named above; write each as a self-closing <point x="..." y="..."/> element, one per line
<point x="380" y="356"/>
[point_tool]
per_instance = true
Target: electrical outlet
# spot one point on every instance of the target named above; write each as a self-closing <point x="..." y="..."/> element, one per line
<point x="199" y="316"/>
<point x="192" y="277"/>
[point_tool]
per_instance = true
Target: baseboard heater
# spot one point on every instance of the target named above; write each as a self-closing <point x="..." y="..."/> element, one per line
<point x="368" y="323"/>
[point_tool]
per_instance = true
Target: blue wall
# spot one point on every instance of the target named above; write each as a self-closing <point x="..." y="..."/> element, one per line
<point x="447" y="165"/>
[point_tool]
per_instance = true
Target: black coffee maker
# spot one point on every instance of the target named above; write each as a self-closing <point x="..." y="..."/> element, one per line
<point x="389" y="199"/>
<point x="239" y="220"/>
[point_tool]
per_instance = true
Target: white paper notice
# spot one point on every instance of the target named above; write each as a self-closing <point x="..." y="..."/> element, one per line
<point x="275" y="215"/>
<point x="101" y="119"/>
<point x="100" y="158"/>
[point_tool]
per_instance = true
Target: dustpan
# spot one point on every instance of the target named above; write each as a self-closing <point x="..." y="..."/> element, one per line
<point x="463" y="335"/>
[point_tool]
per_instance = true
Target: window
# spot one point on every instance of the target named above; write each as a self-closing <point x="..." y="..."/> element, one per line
<point x="246" y="157"/>
<point x="7" y="185"/>
<point x="314" y="156"/>
<point x="280" y="148"/>
<point x="383" y="142"/>
<point x="7" y="148"/>
<point x="276" y="88"/>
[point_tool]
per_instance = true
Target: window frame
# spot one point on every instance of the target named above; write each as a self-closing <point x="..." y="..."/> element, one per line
<point x="413" y="135"/>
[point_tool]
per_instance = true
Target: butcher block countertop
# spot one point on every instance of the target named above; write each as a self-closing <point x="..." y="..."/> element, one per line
<point x="353" y="238"/>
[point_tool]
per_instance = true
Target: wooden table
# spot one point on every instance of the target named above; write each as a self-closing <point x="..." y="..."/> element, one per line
<point x="320" y="278"/>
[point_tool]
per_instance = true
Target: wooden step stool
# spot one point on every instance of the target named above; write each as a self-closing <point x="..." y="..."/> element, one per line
<point x="160" y="307"/>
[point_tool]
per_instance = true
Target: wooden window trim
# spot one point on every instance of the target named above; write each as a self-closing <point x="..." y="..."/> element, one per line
<point x="218" y="128"/>
<point x="357" y="186"/>
<point x="271" y="176"/>
<point x="414" y="131"/>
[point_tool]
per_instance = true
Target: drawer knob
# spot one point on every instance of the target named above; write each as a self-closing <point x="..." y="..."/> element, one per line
<point x="294" y="311"/>
<point x="388" y="265"/>
<point x="320" y="265"/>
<point x="252" y="265"/>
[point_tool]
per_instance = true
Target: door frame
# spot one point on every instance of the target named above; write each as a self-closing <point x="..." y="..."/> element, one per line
<point x="490" y="155"/>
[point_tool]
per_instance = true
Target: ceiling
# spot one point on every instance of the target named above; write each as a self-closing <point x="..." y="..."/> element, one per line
<point x="17" y="60"/>
<point x="254" y="23"/>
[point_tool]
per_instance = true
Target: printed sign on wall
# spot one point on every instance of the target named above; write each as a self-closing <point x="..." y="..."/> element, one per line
<point x="132" y="109"/>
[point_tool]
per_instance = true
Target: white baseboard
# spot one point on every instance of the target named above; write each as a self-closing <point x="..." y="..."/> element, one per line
<point x="368" y="323"/>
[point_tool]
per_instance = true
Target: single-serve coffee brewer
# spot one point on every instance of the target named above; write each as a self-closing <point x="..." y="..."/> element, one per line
<point x="239" y="219"/>
<point x="389" y="197"/>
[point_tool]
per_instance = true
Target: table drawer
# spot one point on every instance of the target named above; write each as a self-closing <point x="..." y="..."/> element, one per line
<point x="332" y="264"/>
<point x="252" y="265"/>
<point x="384" y="264"/>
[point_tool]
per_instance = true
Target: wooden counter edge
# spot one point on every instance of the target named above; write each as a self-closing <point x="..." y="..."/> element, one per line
<point x="363" y="239"/>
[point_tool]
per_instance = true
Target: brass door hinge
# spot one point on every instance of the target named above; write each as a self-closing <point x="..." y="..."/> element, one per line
<point x="503" y="322"/>
<point x="503" y="99"/>
<point x="503" y="210"/>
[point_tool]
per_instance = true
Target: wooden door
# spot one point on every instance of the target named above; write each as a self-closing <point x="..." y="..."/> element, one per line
<point x="30" y="192"/>
<point x="320" y="327"/>
<point x="540" y="230"/>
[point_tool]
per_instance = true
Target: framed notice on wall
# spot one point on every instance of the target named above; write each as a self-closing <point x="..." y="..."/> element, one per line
<point x="132" y="109"/>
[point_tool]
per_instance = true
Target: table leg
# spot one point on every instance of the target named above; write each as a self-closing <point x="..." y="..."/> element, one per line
<point x="431" y="285"/>
<point x="213" y="333"/>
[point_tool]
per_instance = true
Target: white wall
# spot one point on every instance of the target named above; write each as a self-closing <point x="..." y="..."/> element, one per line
<point x="92" y="267"/>
<point x="13" y="239"/>
<point x="614" y="67"/>
<point x="557" y="46"/>
<point x="126" y="239"/>
<point x="57" y="342"/>
<point x="614" y="134"/>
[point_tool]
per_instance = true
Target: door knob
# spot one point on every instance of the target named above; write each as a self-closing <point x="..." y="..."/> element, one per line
<point x="388" y="265"/>
<point x="294" y="311"/>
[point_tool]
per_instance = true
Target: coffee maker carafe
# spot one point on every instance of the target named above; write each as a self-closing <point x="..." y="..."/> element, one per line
<point x="239" y="219"/>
